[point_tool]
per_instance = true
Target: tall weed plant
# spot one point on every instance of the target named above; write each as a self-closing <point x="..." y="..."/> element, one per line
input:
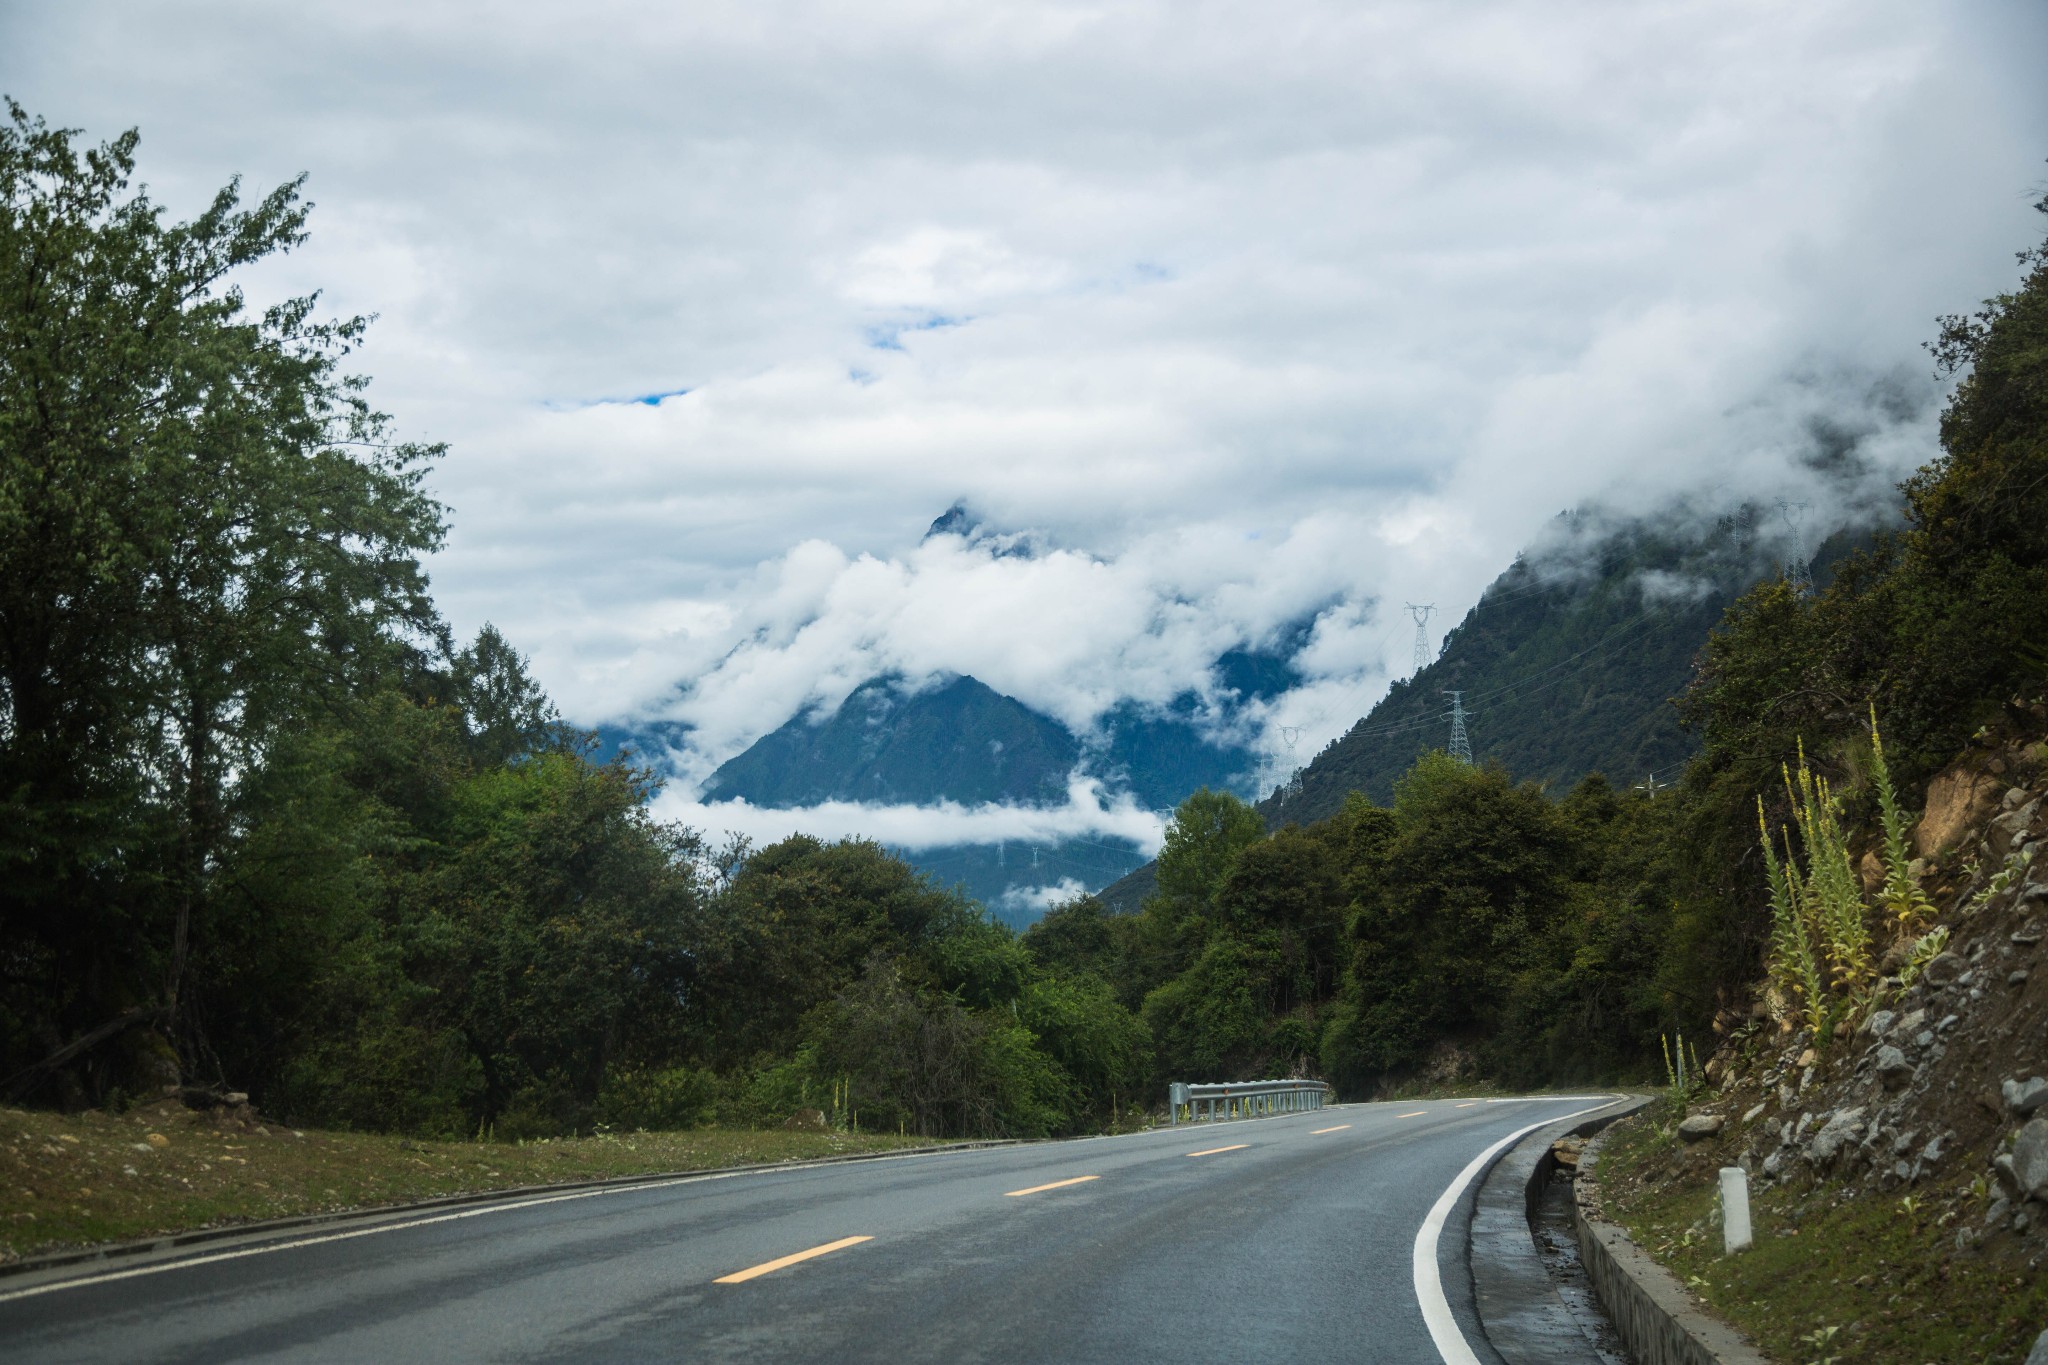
<point x="1820" y="940"/>
<point x="1900" y="898"/>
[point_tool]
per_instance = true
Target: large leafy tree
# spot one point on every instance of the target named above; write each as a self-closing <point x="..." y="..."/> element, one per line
<point x="205" y="533"/>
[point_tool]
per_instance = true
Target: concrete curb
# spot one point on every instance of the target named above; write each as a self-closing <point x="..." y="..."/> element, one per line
<point x="89" y="1259"/>
<point x="1519" y="1309"/>
<point x="1656" y="1317"/>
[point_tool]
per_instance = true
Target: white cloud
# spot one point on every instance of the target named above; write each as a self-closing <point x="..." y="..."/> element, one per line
<point x="1247" y="312"/>
<point x="1088" y="813"/>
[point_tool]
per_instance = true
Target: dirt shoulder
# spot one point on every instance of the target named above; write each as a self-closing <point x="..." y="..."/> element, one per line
<point x="77" y="1180"/>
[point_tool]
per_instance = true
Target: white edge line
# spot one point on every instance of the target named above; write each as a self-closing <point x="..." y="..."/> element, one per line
<point x="1429" y="1286"/>
<point x="185" y="1262"/>
<point x="508" y="1205"/>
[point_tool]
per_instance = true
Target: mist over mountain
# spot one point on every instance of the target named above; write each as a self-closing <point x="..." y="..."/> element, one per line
<point x="956" y="740"/>
<point x="1569" y="664"/>
<point x="1566" y="665"/>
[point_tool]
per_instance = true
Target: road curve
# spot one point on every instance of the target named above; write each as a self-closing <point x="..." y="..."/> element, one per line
<point x="1281" y="1238"/>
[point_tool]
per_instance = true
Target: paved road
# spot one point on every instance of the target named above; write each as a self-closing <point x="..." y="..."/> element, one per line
<point x="1275" y="1239"/>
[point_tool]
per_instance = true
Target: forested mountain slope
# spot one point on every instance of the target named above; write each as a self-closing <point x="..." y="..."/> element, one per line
<point x="1568" y="664"/>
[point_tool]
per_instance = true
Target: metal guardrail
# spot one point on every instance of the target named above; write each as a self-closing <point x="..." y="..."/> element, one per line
<point x="1242" y="1099"/>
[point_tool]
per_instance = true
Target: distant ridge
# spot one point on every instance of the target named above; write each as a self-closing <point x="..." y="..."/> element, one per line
<point x="889" y="743"/>
<point x="1569" y="665"/>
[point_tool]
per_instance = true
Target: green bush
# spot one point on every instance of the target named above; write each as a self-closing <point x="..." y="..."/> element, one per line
<point x="664" y="1100"/>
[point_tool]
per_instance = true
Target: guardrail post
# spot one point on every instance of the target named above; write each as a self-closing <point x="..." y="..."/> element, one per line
<point x="1222" y="1101"/>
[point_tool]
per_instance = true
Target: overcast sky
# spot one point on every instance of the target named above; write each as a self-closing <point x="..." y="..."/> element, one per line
<point x="1246" y="311"/>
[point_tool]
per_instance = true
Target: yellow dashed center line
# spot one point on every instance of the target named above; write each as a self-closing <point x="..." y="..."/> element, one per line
<point x="1338" y="1129"/>
<point x="1055" y="1185"/>
<point x="1466" y="1105"/>
<point x="753" y="1272"/>
<point x="1416" y="1115"/>
<point x="1211" y="1151"/>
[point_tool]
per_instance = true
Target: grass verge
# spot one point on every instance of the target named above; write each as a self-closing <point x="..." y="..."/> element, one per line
<point x="74" y="1180"/>
<point x="1834" y="1276"/>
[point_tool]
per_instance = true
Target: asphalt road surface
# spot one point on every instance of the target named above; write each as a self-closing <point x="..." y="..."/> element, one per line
<point x="1290" y="1238"/>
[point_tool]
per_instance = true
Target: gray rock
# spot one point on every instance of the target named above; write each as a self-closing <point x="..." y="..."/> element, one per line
<point x="2009" y="830"/>
<point x="2030" y="1159"/>
<point x="1948" y="1021"/>
<point x="2000" y="1209"/>
<point x="1892" y="1067"/>
<point x="1786" y="1094"/>
<point x="1806" y="1121"/>
<point x="1750" y="1117"/>
<point x="1700" y="1126"/>
<point x="2014" y="798"/>
<point x="1912" y="1022"/>
<point x="2022" y="1220"/>
<point x="2024" y="1097"/>
<point x="2039" y="1355"/>
<point x="1943" y="971"/>
<point x="2001" y="1166"/>
<point x="1879" y="1024"/>
<point x="1903" y="1141"/>
<point x="1924" y="1038"/>
<point x="1774" y="1163"/>
<point x="1841" y="1129"/>
<point x="2018" y="978"/>
<point x="2028" y="933"/>
<point x="1933" y="1152"/>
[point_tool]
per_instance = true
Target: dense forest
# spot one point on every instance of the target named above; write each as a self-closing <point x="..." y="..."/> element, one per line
<point x="271" y="828"/>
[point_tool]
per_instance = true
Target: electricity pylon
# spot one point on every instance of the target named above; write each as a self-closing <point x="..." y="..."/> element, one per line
<point x="1421" y="615"/>
<point x="1461" y="746"/>
<point x="1291" y="788"/>
<point x="1798" y="569"/>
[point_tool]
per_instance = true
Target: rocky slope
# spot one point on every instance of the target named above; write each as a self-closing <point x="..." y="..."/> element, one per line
<point x="1937" y="1086"/>
<point x="1930" y="1106"/>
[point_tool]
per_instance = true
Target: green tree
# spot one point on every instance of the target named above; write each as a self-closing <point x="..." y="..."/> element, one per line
<point x="206" y="535"/>
<point x="1208" y="831"/>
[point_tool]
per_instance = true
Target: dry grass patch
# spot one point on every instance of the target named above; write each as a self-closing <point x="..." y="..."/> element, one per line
<point x="72" y="1180"/>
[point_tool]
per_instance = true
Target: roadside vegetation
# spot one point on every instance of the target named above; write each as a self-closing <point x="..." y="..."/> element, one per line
<point x="69" y="1180"/>
<point x="1835" y="1274"/>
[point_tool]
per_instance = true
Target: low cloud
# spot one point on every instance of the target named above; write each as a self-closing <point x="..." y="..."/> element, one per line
<point x="1087" y="814"/>
<point x="1037" y="899"/>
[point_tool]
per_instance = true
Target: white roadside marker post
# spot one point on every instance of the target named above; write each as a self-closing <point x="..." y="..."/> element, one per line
<point x="1734" y="1209"/>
